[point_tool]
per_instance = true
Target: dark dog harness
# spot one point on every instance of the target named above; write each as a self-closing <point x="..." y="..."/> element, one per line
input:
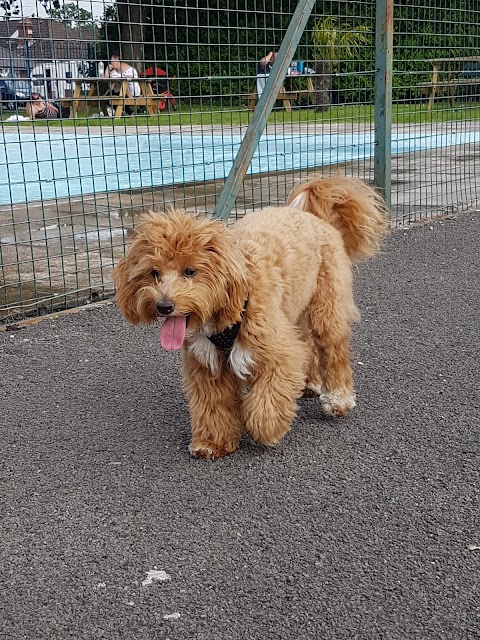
<point x="225" y="340"/>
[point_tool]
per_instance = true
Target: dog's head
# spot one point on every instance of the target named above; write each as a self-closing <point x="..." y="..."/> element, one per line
<point x="183" y="268"/>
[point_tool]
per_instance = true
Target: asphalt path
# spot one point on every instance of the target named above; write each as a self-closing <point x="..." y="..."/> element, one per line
<point x="363" y="528"/>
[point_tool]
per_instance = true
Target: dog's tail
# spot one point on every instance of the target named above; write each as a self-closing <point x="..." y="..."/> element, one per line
<point x="349" y="205"/>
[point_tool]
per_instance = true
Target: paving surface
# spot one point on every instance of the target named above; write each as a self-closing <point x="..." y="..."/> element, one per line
<point x="364" y="528"/>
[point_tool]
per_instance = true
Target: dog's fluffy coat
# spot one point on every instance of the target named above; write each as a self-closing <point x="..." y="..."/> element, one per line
<point x="286" y="275"/>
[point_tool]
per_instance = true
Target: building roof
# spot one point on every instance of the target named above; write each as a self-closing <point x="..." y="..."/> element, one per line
<point x="50" y="40"/>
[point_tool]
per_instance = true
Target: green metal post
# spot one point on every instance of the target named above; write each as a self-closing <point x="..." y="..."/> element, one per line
<point x="383" y="98"/>
<point x="263" y="109"/>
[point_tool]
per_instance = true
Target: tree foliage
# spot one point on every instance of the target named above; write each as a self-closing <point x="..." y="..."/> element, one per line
<point x="11" y="8"/>
<point x="56" y="9"/>
<point x="213" y="46"/>
<point x="334" y="41"/>
<point x="203" y="45"/>
<point x="72" y="13"/>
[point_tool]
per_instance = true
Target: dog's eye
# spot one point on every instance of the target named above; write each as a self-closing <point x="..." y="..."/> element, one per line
<point x="189" y="272"/>
<point x="155" y="274"/>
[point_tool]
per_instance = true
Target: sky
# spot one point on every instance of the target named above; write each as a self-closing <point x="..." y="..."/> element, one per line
<point x="35" y="8"/>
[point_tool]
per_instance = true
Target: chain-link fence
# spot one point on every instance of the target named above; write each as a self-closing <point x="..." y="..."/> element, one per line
<point x="148" y="103"/>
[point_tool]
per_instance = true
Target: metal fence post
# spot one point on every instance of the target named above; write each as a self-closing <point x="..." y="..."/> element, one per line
<point x="383" y="97"/>
<point x="264" y="106"/>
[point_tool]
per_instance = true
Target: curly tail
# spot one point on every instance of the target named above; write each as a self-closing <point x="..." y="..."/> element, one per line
<point x="349" y="205"/>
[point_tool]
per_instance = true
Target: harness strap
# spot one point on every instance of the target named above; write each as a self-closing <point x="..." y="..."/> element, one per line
<point x="225" y="340"/>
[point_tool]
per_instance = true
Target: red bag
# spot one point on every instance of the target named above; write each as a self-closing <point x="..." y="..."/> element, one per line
<point x="167" y="101"/>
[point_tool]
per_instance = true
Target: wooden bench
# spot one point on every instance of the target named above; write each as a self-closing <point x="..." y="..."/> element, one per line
<point x="139" y="101"/>
<point x="446" y="79"/>
<point x="146" y="99"/>
<point x="287" y="96"/>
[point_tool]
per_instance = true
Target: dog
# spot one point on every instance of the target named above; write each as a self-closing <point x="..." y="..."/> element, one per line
<point x="261" y="310"/>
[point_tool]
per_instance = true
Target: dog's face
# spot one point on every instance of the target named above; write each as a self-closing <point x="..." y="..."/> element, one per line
<point x="182" y="268"/>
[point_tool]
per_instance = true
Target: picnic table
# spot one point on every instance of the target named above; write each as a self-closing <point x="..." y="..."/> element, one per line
<point x="88" y="93"/>
<point x="97" y="92"/>
<point x="447" y="77"/>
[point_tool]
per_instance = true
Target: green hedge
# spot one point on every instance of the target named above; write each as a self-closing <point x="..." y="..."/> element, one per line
<point x="201" y="39"/>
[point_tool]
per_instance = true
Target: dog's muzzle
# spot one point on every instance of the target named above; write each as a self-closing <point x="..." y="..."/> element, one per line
<point x="165" y="307"/>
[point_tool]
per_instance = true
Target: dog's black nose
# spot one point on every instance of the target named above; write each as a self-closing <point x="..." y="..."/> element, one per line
<point x="165" y="307"/>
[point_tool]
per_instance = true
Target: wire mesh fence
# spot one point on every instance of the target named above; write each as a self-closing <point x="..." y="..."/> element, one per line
<point x="150" y="101"/>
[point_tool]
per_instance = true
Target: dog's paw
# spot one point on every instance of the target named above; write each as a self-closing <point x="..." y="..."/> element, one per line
<point x="338" y="402"/>
<point x="312" y="390"/>
<point x="210" y="450"/>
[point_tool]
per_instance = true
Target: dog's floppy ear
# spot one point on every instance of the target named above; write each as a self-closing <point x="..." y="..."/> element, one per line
<point x="125" y="294"/>
<point x="230" y="265"/>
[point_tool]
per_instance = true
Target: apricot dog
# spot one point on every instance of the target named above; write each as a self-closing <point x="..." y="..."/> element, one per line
<point x="261" y="309"/>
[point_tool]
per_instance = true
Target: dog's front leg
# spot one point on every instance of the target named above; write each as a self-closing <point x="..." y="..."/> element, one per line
<point x="271" y="405"/>
<point x="214" y="409"/>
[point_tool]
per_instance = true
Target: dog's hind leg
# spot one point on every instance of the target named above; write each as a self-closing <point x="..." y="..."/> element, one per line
<point x="331" y="312"/>
<point x="214" y="409"/>
<point x="313" y="383"/>
<point x="271" y="405"/>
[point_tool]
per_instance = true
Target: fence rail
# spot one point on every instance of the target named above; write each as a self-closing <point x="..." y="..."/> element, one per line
<point x="71" y="185"/>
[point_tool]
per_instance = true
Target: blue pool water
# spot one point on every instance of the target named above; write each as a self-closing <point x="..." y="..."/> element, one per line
<point x="53" y="165"/>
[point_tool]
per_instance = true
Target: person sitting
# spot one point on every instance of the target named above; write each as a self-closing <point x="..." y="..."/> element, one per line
<point x="40" y="109"/>
<point x="264" y="67"/>
<point x="117" y="70"/>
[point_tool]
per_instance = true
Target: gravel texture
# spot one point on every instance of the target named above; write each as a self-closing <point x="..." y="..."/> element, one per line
<point x="364" y="528"/>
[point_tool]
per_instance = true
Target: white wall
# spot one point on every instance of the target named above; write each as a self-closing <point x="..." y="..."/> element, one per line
<point x="60" y="73"/>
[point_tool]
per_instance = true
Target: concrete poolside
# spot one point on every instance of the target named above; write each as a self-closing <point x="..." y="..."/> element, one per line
<point x="60" y="252"/>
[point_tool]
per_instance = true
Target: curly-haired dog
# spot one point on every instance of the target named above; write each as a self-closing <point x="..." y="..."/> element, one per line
<point x="261" y="310"/>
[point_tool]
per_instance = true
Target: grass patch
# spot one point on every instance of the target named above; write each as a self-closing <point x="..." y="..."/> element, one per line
<point x="236" y="116"/>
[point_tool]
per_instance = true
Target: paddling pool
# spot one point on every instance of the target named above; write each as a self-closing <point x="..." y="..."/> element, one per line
<point x="41" y="166"/>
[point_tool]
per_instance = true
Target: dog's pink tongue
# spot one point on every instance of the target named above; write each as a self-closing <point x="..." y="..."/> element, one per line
<point x="172" y="333"/>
